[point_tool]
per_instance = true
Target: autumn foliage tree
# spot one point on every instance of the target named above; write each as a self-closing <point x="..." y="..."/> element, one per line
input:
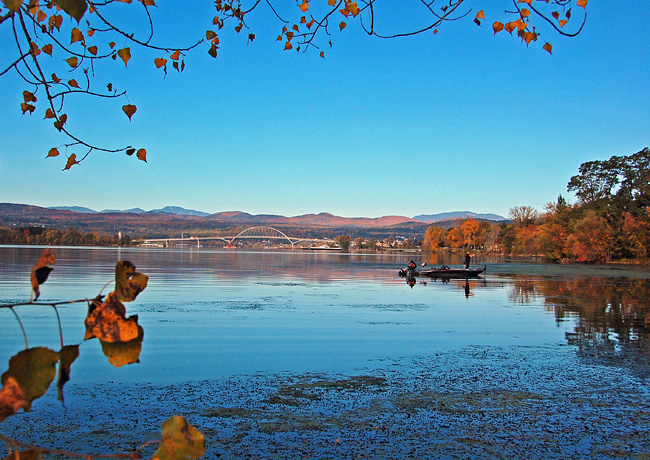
<point x="57" y="45"/>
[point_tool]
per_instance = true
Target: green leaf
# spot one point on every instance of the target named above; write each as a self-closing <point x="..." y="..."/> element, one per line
<point x="67" y="356"/>
<point x="180" y="441"/>
<point x="128" y="283"/>
<point x="75" y="8"/>
<point x="34" y="370"/>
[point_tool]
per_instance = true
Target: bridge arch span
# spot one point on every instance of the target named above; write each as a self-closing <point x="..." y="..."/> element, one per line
<point x="262" y="233"/>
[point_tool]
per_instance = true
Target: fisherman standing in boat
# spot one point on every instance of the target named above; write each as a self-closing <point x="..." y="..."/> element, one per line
<point x="468" y="257"/>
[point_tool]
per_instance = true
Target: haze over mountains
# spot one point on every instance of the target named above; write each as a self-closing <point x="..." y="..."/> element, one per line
<point x="322" y="218"/>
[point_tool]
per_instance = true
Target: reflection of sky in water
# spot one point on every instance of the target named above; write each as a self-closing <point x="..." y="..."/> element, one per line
<point x="209" y="314"/>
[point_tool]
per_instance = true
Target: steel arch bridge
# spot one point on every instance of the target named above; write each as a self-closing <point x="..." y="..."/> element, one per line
<point x="264" y="233"/>
<point x="255" y="233"/>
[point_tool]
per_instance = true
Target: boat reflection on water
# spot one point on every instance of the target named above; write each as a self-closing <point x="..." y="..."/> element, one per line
<point x="464" y="285"/>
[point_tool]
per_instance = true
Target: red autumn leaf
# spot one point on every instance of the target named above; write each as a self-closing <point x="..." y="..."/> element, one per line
<point x="142" y="155"/>
<point x="310" y="23"/>
<point x="54" y="152"/>
<point x="525" y="13"/>
<point x="58" y="124"/>
<point x="304" y="6"/>
<point x="47" y="49"/>
<point x="91" y="32"/>
<point x="480" y="15"/>
<point x="342" y="25"/>
<point x="72" y="160"/>
<point x="160" y="62"/>
<point x="76" y="36"/>
<point x="322" y="54"/>
<point x="73" y="61"/>
<point x="287" y="46"/>
<point x="497" y="27"/>
<point x="563" y="22"/>
<point x="331" y="2"/>
<point x="41" y="16"/>
<point x="73" y="83"/>
<point x="176" y="55"/>
<point x="582" y="3"/>
<point x="548" y="47"/>
<point x="111" y="44"/>
<point x="55" y="79"/>
<point x="129" y="110"/>
<point x="27" y="107"/>
<point x="92" y="50"/>
<point x="29" y="97"/>
<point x="49" y="114"/>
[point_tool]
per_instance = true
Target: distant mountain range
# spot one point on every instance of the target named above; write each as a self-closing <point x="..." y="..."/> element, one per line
<point x="309" y="219"/>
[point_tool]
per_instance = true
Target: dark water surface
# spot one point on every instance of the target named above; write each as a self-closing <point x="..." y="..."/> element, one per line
<point x="522" y="329"/>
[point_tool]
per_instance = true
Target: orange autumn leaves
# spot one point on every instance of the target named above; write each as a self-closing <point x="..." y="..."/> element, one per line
<point x="522" y="26"/>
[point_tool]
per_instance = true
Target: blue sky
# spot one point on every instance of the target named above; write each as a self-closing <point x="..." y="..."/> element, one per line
<point x="463" y="120"/>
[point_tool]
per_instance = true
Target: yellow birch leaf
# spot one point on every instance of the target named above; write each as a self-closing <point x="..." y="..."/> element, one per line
<point x="304" y="6"/>
<point x="73" y="61"/>
<point x="179" y="441"/>
<point x="125" y="54"/>
<point x="582" y="3"/>
<point x="108" y="322"/>
<point x="54" y="152"/>
<point x="76" y="36"/>
<point x="75" y="8"/>
<point x="563" y="22"/>
<point x="72" y="160"/>
<point x="525" y="13"/>
<point x="210" y="34"/>
<point x="128" y="282"/>
<point x="142" y="155"/>
<point x="497" y="27"/>
<point x="480" y="15"/>
<point x="129" y="110"/>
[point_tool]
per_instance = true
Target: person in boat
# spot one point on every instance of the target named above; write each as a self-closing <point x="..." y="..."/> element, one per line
<point x="468" y="257"/>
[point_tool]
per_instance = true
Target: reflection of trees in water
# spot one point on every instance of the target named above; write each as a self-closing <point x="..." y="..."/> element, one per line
<point x="612" y="316"/>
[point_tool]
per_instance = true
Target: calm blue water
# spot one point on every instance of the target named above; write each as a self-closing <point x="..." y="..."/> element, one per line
<point x="209" y="314"/>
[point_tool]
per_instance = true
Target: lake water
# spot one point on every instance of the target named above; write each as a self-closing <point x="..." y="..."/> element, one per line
<point x="211" y="314"/>
<point x="215" y="315"/>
